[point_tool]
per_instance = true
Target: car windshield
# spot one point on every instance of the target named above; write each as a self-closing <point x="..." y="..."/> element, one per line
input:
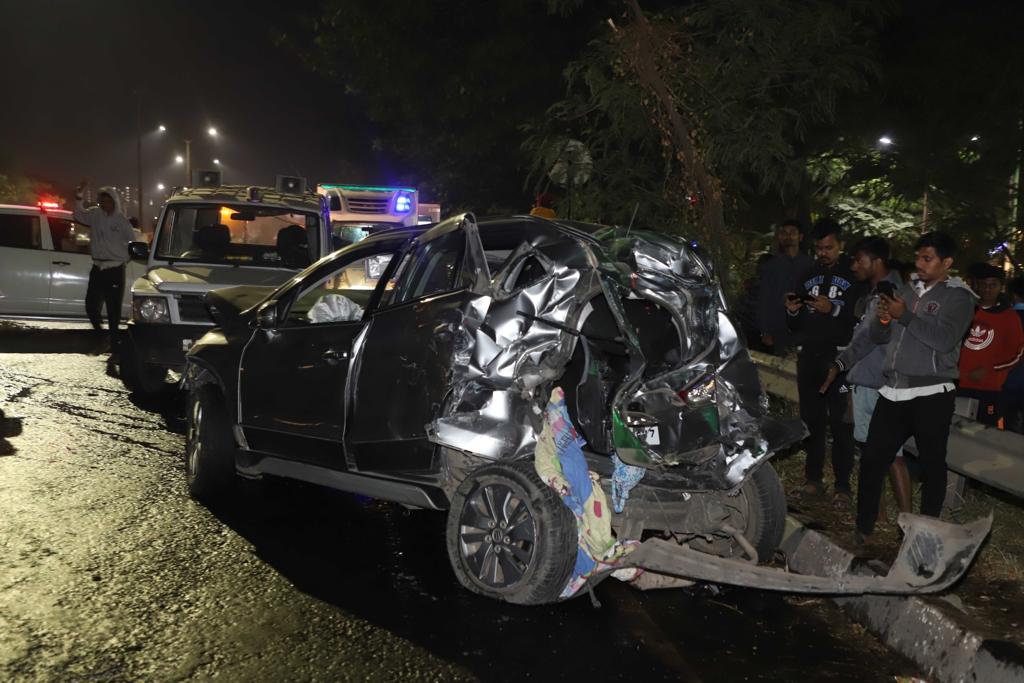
<point x="239" y="234"/>
<point x="350" y="232"/>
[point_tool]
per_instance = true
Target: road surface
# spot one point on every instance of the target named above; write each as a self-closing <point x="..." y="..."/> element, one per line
<point x="109" y="571"/>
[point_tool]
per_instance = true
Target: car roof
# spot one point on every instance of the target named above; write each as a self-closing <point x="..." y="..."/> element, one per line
<point x="34" y="209"/>
<point x="269" y="196"/>
<point x="494" y="224"/>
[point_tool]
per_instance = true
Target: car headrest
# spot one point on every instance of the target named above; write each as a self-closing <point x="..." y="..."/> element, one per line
<point x="212" y="237"/>
<point x="290" y="237"/>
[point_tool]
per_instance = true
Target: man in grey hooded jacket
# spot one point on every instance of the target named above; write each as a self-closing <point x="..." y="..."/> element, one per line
<point x="923" y="326"/>
<point x="110" y="234"/>
<point x="863" y="358"/>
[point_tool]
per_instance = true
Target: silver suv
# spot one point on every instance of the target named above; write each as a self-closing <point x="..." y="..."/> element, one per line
<point x="210" y="238"/>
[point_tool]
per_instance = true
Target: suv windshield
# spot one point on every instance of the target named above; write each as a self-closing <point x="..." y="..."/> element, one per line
<point x="239" y="234"/>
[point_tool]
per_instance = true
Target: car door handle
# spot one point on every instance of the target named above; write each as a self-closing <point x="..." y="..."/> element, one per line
<point x="61" y="263"/>
<point x="334" y="354"/>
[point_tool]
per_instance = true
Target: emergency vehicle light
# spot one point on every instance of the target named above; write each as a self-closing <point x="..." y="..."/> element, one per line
<point x="47" y="205"/>
<point x="403" y="203"/>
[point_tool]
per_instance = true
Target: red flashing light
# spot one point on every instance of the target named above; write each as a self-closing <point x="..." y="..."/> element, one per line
<point x="47" y="205"/>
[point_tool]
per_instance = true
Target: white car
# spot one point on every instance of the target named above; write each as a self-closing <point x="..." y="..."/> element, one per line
<point x="45" y="264"/>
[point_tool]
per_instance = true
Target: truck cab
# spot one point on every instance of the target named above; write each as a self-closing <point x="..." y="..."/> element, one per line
<point x="210" y="238"/>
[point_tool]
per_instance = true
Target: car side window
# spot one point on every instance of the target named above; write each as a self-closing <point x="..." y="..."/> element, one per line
<point x="433" y="268"/>
<point x="341" y="296"/>
<point x="69" y="236"/>
<point x="20" y="231"/>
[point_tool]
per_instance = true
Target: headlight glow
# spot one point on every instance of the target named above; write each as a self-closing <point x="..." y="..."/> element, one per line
<point x="150" y="309"/>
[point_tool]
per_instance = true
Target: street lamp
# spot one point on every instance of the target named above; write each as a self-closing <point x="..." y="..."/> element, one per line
<point x="160" y="186"/>
<point x="885" y="140"/>
<point x="162" y="128"/>
<point x="216" y="162"/>
<point x="178" y="159"/>
<point x="212" y="132"/>
<point x="975" y="138"/>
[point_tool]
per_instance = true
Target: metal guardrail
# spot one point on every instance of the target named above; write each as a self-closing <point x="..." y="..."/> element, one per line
<point x="990" y="456"/>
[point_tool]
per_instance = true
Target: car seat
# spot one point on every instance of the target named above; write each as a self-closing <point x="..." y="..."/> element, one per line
<point x="209" y="241"/>
<point x="293" y="247"/>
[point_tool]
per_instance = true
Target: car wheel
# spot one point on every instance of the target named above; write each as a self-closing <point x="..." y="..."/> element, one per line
<point x="138" y="377"/>
<point x="767" y="520"/>
<point x="762" y="504"/>
<point x="510" y="536"/>
<point x="209" y="445"/>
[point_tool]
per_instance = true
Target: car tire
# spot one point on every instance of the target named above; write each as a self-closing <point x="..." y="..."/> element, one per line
<point x="533" y="562"/>
<point x="766" y="517"/>
<point x="209" y="445"/>
<point x="138" y="377"/>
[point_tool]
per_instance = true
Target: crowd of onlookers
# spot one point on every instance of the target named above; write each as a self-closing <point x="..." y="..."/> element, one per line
<point x="883" y="349"/>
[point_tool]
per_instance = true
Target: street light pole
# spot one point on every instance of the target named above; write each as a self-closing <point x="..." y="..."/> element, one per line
<point x="138" y="155"/>
<point x="188" y="162"/>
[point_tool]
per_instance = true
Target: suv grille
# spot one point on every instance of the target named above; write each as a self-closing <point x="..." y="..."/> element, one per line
<point x="192" y="309"/>
<point x="366" y="205"/>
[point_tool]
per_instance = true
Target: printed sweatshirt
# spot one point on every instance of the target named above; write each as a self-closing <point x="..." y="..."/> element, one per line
<point x="111" y="233"/>
<point x="994" y="342"/>
<point x="924" y="343"/>
<point x="824" y="332"/>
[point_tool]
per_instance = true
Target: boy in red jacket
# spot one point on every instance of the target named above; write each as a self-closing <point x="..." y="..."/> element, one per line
<point x="994" y="344"/>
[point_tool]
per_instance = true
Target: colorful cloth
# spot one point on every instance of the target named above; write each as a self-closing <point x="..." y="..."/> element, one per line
<point x="560" y="464"/>
<point x="624" y="478"/>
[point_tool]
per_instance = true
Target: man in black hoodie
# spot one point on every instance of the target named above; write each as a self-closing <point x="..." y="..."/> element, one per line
<point x="820" y="312"/>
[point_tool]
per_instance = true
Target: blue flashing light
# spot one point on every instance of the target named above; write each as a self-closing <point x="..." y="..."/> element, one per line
<point x="403" y="203"/>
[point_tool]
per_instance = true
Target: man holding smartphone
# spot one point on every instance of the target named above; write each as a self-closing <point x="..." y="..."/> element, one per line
<point x="863" y="358"/>
<point x="923" y="327"/>
<point x="820" y="313"/>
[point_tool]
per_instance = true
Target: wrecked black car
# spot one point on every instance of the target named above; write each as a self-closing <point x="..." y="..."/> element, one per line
<point x="575" y="396"/>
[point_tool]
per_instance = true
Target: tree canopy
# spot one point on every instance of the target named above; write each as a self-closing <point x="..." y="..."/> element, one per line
<point x="715" y="119"/>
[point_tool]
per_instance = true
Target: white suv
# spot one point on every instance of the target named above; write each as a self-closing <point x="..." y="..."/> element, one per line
<point x="210" y="238"/>
<point x="45" y="263"/>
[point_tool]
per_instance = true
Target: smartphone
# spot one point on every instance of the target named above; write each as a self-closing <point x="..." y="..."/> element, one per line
<point x="887" y="288"/>
<point x="802" y="298"/>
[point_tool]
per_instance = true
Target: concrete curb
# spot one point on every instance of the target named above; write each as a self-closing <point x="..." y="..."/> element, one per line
<point x="920" y="628"/>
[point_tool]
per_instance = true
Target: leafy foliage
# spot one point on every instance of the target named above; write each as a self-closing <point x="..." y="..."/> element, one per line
<point x="18" y="189"/>
<point x="751" y="81"/>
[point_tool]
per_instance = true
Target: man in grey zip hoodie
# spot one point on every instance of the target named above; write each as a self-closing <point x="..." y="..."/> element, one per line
<point x="110" y="234"/>
<point x="923" y="326"/>
<point x="863" y="358"/>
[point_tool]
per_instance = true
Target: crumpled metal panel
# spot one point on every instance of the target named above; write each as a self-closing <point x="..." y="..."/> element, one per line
<point x="670" y="274"/>
<point x="513" y="340"/>
<point x="510" y="342"/>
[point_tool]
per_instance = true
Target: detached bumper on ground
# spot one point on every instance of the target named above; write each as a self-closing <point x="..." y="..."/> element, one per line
<point x="933" y="556"/>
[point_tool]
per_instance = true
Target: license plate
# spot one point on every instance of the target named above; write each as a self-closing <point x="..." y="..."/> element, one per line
<point x="186" y="344"/>
<point x="649" y="435"/>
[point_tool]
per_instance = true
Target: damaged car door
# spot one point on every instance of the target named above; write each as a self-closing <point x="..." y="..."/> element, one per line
<point x="403" y="367"/>
<point x="294" y="369"/>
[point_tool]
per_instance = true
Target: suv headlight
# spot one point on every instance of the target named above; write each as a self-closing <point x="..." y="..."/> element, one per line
<point x="150" y="309"/>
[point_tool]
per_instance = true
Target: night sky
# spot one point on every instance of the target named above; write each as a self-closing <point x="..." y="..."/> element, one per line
<point x="71" y="72"/>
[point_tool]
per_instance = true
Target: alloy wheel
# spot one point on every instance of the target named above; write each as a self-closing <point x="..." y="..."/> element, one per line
<point x="497" y="535"/>
<point x="194" y="438"/>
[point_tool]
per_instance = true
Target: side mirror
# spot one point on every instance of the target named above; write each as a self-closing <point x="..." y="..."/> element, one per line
<point x="138" y="250"/>
<point x="266" y="317"/>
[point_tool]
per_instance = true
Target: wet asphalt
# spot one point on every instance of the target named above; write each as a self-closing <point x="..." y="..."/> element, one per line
<point x="109" y="571"/>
